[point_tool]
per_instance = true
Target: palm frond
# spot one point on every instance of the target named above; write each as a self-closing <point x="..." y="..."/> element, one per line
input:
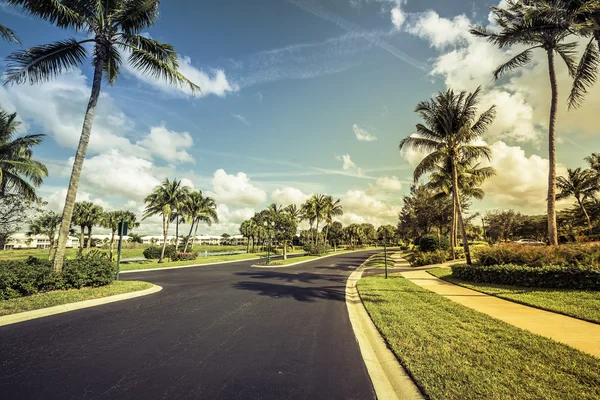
<point x="56" y="12"/>
<point x="9" y="35"/>
<point x="428" y="164"/>
<point x="135" y="15"/>
<point x="476" y="152"/>
<point x="161" y="51"/>
<point x="585" y="75"/>
<point x="567" y="52"/>
<point x="42" y="63"/>
<point x="420" y="144"/>
<point x="517" y="61"/>
<point x="484" y="121"/>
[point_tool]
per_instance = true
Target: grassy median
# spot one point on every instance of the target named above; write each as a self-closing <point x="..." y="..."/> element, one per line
<point x="454" y="352"/>
<point x="153" y="264"/>
<point x="59" y="297"/>
<point x="582" y="304"/>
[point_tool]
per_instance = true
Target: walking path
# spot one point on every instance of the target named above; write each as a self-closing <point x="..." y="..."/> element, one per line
<point x="582" y="335"/>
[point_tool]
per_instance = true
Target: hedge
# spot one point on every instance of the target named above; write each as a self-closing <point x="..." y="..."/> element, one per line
<point x="154" y="252"/>
<point x="316" y="250"/>
<point x="547" y="276"/>
<point x="184" y="256"/>
<point x="431" y="242"/>
<point x="536" y="256"/>
<point x="24" y="278"/>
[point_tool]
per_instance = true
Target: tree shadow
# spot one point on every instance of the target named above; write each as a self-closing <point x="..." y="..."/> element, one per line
<point x="299" y="293"/>
<point x="302" y="277"/>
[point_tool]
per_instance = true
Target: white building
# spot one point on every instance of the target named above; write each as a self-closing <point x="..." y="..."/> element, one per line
<point x="203" y="240"/>
<point x="22" y="241"/>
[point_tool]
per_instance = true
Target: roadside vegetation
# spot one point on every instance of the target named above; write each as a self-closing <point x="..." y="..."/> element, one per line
<point x="582" y="304"/>
<point x="453" y="352"/>
<point x="154" y="264"/>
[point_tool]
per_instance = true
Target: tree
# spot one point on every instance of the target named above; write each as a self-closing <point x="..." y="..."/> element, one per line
<point x="578" y="184"/>
<point x="135" y="238"/>
<point x="80" y="218"/>
<point x="199" y="209"/>
<point x="15" y="212"/>
<point x="386" y="233"/>
<point x="94" y="216"/>
<point x="284" y="230"/>
<point x="517" y="28"/>
<point x="333" y="208"/>
<point x="47" y="225"/>
<point x="308" y="212"/>
<point x="112" y="219"/>
<point x="295" y="213"/>
<point x="448" y="136"/>
<point x="161" y="201"/>
<point x="111" y="28"/>
<point x="9" y="35"/>
<point x="246" y="232"/>
<point x="336" y="233"/>
<point x="20" y="174"/>
<point x="503" y="225"/>
<point x="594" y="162"/>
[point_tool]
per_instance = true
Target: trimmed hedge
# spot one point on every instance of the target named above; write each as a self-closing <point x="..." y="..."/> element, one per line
<point x="547" y="276"/>
<point x="184" y="256"/>
<point x="538" y="256"/>
<point x="153" y="252"/>
<point x="432" y="243"/>
<point x="24" y="278"/>
<point x="316" y="250"/>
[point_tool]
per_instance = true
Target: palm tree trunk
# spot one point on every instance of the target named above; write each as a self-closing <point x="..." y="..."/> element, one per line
<point x="195" y="232"/>
<point x="187" y="242"/>
<point x="459" y="212"/>
<point x="248" y="244"/>
<point x="165" y="233"/>
<point x="81" y="240"/>
<point x="453" y="229"/>
<point x="86" y="132"/>
<point x="253" y="240"/>
<point x="326" y="233"/>
<point x="112" y="241"/>
<point x="177" y="233"/>
<point x="51" y="247"/>
<point x="89" y="241"/>
<point x="317" y="233"/>
<point x="285" y="249"/>
<point x="587" y="216"/>
<point x="552" y="231"/>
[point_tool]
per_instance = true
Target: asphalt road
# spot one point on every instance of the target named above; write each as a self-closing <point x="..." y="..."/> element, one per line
<point x="219" y="332"/>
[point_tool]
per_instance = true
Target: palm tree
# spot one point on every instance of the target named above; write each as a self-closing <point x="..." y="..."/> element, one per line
<point x="20" y="174"/>
<point x="333" y="208"/>
<point x="114" y="29"/>
<point x="163" y="199"/>
<point x="80" y="217"/>
<point x="295" y="213"/>
<point x="9" y="35"/>
<point x="46" y="225"/>
<point x="594" y="162"/>
<point x="199" y="208"/>
<point x="307" y="210"/>
<point x="451" y="127"/>
<point x="178" y="214"/>
<point x="246" y="231"/>
<point x="94" y="216"/>
<point x="314" y="209"/>
<point x="112" y="219"/>
<point x="519" y="28"/>
<point x="578" y="184"/>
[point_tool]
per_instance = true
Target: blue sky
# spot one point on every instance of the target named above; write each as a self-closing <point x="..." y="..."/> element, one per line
<point x="289" y="89"/>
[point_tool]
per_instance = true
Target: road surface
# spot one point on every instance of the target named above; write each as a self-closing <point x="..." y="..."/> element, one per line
<point x="218" y="332"/>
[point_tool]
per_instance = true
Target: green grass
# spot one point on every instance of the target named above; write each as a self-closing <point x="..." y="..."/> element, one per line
<point x="49" y="299"/>
<point x="454" y="352"/>
<point x="153" y="264"/>
<point x="379" y="261"/>
<point x="582" y="304"/>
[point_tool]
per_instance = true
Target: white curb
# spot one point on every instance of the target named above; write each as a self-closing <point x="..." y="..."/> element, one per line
<point x="187" y="266"/>
<point x="63" y="308"/>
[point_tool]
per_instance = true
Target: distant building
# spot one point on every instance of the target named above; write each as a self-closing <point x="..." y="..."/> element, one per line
<point x="22" y="241"/>
<point x="203" y="240"/>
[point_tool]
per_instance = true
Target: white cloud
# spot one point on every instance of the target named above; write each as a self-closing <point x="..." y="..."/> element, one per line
<point x="362" y="134"/>
<point x="385" y="185"/>
<point x="236" y="189"/>
<point x="398" y="16"/>
<point x="56" y="200"/>
<point x="241" y="118"/>
<point x="361" y="207"/>
<point x="349" y="165"/>
<point x="440" y="32"/>
<point x="289" y="195"/>
<point x="168" y="145"/>
<point x="227" y="216"/>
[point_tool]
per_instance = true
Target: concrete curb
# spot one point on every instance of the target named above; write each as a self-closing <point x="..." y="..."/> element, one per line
<point x="63" y="308"/>
<point x="389" y="378"/>
<point x="187" y="266"/>
<point x="306" y="261"/>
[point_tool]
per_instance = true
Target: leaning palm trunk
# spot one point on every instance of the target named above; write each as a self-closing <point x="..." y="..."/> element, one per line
<point x="81" y="239"/>
<point x="52" y="242"/>
<point x="165" y="234"/>
<point x="453" y="229"/>
<point x="587" y="216"/>
<point x="317" y="233"/>
<point x="195" y="232"/>
<point x="86" y="131"/>
<point x="461" y="222"/>
<point x="187" y="241"/>
<point x="89" y="241"/>
<point x="112" y="242"/>
<point x="552" y="232"/>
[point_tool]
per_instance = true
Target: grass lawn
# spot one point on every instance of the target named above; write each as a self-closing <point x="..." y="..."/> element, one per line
<point x="379" y="261"/>
<point x="153" y="264"/>
<point x="59" y="297"/>
<point x="454" y="352"/>
<point x="583" y="304"/>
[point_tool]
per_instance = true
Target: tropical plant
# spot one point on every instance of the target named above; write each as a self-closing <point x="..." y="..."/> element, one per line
<point x="94" y="216"/>
<point x="517" y="27"/>
<point x="448" y="136"/>
<point x="199" y="209"/>
<point x="578" y="184"/>
<point x="80" y="218"/>
<point x="9" y="35"/>
<point x="46" y="225"/>
<point x="163" y="199"/>
<point x="114" y="29"/>
<point x="20" y="174"/>
<point x="333" y="209"/>
<point x="246" y="232"/>
<point x="112" y="219"/>
<point x="594" y="162"/>
<point x="293" y="211"/>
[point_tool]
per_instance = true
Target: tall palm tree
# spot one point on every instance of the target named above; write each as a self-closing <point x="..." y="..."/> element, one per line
<point x="318" y="205"/>
<point x="80" y="218"/>
<point x="94" y="217"/>
<point x="114" y="29"/>
<point x="112" y="219"/>
<point x="163" y="199"/>
<point x="46" y="225"/>
<point x="20" y="174"/>
<point x="333" y="208"/>
<point x="519" y="28"/>
<point x="450" y="131"/>
<point x="294" y="212"/>
<point x="308" y="212"/>
<point x="246" y="232"/>
<point x="199" y="209"/>
<point x="579" y="184"/>
<point x="594" y="162"/>
<point x="9" y="35"/>
<point x="178" y="214"/>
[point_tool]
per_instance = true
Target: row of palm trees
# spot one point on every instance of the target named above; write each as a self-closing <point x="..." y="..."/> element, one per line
<point x="452" y="126"/>
<point x="111" y="30"/>
<point x="177" y="203"/>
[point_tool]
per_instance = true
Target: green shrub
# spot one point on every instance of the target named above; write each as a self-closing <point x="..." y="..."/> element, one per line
<point x="24" y="278"/>
<point x="315" y="250"/>
<point x="184" y="256"/>
<point x="432" y="243"/>
<point x="420" y="258"/>
<point x="537" y="256"/>
<point x="547" y="276"/>
<point x="153" y="252"/>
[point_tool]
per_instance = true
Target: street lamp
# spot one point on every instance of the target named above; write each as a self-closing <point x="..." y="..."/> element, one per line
<point x="272" y="224"/>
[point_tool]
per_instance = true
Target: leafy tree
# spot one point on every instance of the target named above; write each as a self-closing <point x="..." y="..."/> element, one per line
<point x="578" y="184"/>
<point x="333" y="208"/>
<point x="112" y="219"/>
<point x="424" y="210"/>
<point x="448" y="136"/>
<point x="9" y="35"/>
<point x="386" y="233"/>
<point x="113" y="29"/>
<point x="161" y="201"/>
<point x="94" y="216"/>
<point x="199" y="209"/>
<point x="20" y="174"/>
<point x="15" y="212"/>
<point x="335" y="233"/>
<point x="284" y="230"/>
<point x="80" y="218"/>
<point x="293" y="211"/>
<point x="46" y="225"/>
<point x="135" y="238"/>
<point x="246" y="230"/>
<point x="503" y="225"/>
<point x="538" y="32"/>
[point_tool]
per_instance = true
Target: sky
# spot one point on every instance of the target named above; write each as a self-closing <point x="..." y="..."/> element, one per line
<point x="298" y="97"/>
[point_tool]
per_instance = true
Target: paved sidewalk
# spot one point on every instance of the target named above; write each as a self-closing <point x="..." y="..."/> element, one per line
<point x="582" y="335"/>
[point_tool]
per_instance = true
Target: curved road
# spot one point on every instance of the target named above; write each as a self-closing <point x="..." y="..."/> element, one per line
<point x="218" y="332"/>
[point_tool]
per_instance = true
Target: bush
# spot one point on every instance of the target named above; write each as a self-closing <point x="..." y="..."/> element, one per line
<point x="547" y="276"/>
<point x="24" y="278"/>
<point x="420" y="258"/>
<point x="432" y="243"/>
<point x="315" y="250"/>
<point x="537" y="256"/>
<point x="184" y="256"/>
<point x="153" y="252"/>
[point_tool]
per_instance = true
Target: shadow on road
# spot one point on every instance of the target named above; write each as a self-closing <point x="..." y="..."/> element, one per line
<point x="304" y="294"/>
<point x="303" y="277"/>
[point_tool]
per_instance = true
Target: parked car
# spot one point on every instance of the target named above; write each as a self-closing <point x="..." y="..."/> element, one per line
<point x="529" y="242"/>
